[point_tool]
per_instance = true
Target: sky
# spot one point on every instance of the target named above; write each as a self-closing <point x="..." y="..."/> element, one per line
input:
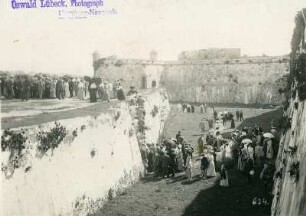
<point x="36" y="40"/>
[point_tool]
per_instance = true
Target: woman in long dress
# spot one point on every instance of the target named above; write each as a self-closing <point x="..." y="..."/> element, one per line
<point x="189" y="167"/>
<point x="66" y="87"/>
<point x="53" y="89"/>
<point x="224" y="177"/>
<point x="81" y="87"/>
<point x="106" y="92"/>
<point x="180" y="160"/>
<point x="211" y="172"/>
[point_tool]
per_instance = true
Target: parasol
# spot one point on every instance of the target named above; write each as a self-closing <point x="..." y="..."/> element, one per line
<point x="268" y="135"/>
<point x="246" y="141"/>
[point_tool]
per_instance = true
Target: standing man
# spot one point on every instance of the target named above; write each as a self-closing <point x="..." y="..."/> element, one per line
<point x="71" y="88"/>
<point x="40" y="87"/>
<point x="26" y="87"/>
<point x="241" y="116"/>
<point x="237" y="115"/>
<point x="60" y="91"/>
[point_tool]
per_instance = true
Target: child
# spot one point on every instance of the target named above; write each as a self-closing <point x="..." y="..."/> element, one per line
<point x="204" y="165"/>
<point x="224" y="177"/>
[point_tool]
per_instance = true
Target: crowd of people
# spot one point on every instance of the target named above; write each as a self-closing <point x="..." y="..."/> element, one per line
<point x="44" y="86"/>
<point x="250" y="150"/>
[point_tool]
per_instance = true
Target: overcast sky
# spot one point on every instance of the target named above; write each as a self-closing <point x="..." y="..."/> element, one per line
<point x="36" y="40"/>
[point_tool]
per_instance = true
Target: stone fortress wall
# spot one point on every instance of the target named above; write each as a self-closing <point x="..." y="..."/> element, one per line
<point x="245" y="80"/>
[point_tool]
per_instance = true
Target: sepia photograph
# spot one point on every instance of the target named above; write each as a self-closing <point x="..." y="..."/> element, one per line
<point x="153" y="107"/>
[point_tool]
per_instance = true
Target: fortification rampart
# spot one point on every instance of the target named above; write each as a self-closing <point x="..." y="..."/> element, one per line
<point x="97" y="158"/>
<point x="243" y="80"/>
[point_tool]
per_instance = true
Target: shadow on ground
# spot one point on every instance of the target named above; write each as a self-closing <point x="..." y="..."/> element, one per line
<point x="263" y="120"/>
<point x="233" y="200"/>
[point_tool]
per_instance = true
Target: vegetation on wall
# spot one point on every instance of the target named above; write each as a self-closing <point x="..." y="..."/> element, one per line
<point x="51" y="139"/>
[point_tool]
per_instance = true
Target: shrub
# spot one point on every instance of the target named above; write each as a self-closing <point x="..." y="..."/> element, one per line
<point x="51" y="139"/>
<point x="13" y="141"/>
<point x="154" y="111"/>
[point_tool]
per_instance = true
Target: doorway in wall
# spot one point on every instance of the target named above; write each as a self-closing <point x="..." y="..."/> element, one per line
<point x="144" y="82"/>
<point x="153" y="83"/>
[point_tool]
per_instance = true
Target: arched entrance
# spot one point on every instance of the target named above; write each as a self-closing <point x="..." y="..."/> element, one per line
<point x="144" y="82"/>
<point x="153" y="84"/>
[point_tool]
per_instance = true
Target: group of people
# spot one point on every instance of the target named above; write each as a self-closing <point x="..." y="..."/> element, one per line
<point x="255" y="149"/>
<point x="44" y="86"/>
<point x="189" y="108"/>
<point x="251" y="150"/>
<point x="99" y="88"/>
<point x="169" y="157"/>
<point x="40" y="86"/>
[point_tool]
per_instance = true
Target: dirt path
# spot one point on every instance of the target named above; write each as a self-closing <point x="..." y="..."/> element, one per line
<point x="156" y="196"/>
<point x="41" y="118"/>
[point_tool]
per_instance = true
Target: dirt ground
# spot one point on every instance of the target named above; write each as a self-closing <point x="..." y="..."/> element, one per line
<point x="178" y="196"/>
<point x="15" y="113"/>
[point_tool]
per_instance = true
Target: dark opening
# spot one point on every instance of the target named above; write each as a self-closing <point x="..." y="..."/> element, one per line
<point x="153" y="84"/>
<point x="144" y="82"/>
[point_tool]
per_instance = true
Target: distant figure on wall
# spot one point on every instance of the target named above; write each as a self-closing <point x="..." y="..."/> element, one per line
<point x="120" y="93"/>
<point x="192" y="108"/>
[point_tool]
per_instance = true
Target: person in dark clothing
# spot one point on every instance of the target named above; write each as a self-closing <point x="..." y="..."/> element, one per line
<point x="120" y="93"/>
<point x="166" y="165"/>
<point x="215" y="114"/>
<point x="241" y="116"/>
<point x="178" y="135"/>
<point x="232" y="123"/>
<point x="26" y="87"/>
<point x="71" y="88"/>
<point x="131" y="91"/>
<point x="34" y="89"/>
<point x="47" y="89"/>
<point x="249" y="168"/>
<point x="204" y="166"/>
<point x="9" y="88"/>
<point x="192" y="108"/>
<point x="93" y="92"/>
<point x="237" y="115"/>
<point x="188" y="108"/>
<point x="60" y="91"/>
